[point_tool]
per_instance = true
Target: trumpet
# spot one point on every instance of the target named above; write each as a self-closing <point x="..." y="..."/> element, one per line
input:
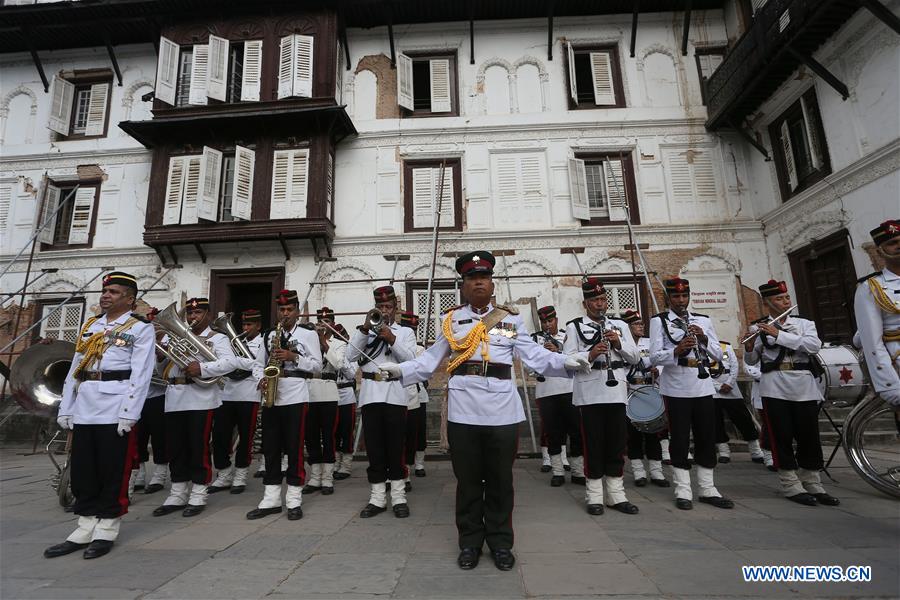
<point x="184" y="347"/>
<point x="769" y="321"/>
<point x="374" y="320"/>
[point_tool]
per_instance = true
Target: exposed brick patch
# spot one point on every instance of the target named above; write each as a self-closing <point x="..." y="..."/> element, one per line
<point x="386" y="106"/>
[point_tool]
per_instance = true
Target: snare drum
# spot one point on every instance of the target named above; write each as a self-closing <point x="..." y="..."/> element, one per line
<point x="646" y="410"/>
<point x="845" y="381"/>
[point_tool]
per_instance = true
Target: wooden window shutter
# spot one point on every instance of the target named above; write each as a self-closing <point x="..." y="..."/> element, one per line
<point x="440" y="85"/>
<point x="506" y="181"/>
<point x="5" y="202"/>
<point x="217" y="67"/>
<point x="426" y="184"/>
<point x="250" y="78"/>
<point x="47" y="217"/>
<point x="191" y="190"/>
<point x="242" y="195"/>
<point x="573" y="84"/>
<point x="290" y="174"/>
<point x="82" y="214"/>
<point x="680" y="178"/>
<point x="405" y="82"/>
<point x="758" y="4"/>
<point x="788" y="150"/>
<point x="199" y="74"/>
<point x="578" y="189"/>
<point x="61" y="106"/>
<point x="167" y="70"/>
<point x="96" y="117"/>
<point x="616" y="193"/>
<point x="174" y="190"/>
<point x="210" y="182"/>
<point x="706" y="183"/>
<point x="303" y="66"/>
<point x="285" y="67"/>
<point x="601" y="72"/>
<point x="811" y="124"/>
<point x="532" y="179"/>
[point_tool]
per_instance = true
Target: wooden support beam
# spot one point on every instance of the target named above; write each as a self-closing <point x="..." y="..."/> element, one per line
<point x="883" y="14"/>
<point x="550" y="30"/>
<point x="39" y="66"/>
<point x="112" y="59"/>
<point x="820" y="70"/>
<point x="686" y="27"/>
<point x="750" y="140"/>
<point x="634" y="24"/>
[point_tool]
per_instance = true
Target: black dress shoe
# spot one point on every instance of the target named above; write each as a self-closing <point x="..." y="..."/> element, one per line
<point x="595" y="509"/>
<point x="309" y="489"/>
<point x="724" y="459"/>
<point x="772" y="468"/>
<point x="804" y="499"/>
<point x="640" y="482"/>
<point x="327" y="490"/>
<point x="420" y="472"/>
<point x="259" y="474"/>
<point x="667" y="461"/>
<point x="758" y="460"/>
<point x="339" y="475"/>
<point x="214" y="488"/>
<point x="192" y="510"/>
<point x="626" y="507"/>
<point x="401" y="511"/>
<point x="567" y="467"/>
<point x="153" y="488"/>
<point x="138" y="486"/>
<point x="717" y="501"/>
<point x="468" y="558"/>
<point x="259" y="513"/>
<point x="827" y="499"/>
<point x="166" y="509"/>
<point x="66" y="547"/>
<point x="578" y="480"/>
<point x="557" y="480"/>
<point x="683" y="504"/>
<point x="660" y="482"/>
<point x="370" y="510"/>
<point x="237" y="489"/>
<point x="295" y="514"/>
<point x="407" y="487"/>
<point x="504" y="559"/>
<point x="98" y="548"/>
<point x="545" y="468"/>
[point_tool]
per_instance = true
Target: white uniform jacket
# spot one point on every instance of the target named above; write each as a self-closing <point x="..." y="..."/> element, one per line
<point x="797" y="341"/>
<point x="641" y="373"/>
<point x="590" y="388"/>
<point x="192" y="396"/>
<point x="347" y="374"/>
<point x="404" y="348"/>
<point x="729" y="367"/>
<point x="677" y="380"/>
<point x="305" y="342"/>
<point x="754" y="372"/>
<point x="325" y="389"/>
<point x="105" y="402"/>
<point x="477" y="400"/>
<point x="244" y="390"/>
<point x="551" y="386"/>
<point x="882" y="358"/>
<point x="415" y="390"/>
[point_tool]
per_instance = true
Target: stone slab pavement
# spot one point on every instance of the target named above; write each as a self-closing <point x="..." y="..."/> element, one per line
<point x="562" y="552"/>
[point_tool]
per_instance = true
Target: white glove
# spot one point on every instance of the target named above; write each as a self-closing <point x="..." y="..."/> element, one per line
<point x="125" y="426"/>
<point x="64" y="421"/>
<point x="577" y="363"/>
<point x="892" y="397"/>
<point x="392" y="369"/>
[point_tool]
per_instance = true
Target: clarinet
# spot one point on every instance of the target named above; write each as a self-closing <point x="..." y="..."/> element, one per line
<point x="701" y="357"/>
<point x="611" y="380"/>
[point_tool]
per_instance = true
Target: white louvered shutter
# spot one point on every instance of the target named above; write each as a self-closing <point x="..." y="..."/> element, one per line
<point x="532" y="178"/>
<point x="614" y="180"/>
<point x="82" y="214"/>
<point x="290" y="174"/>
<point x="706" y="182"/>
<point x="303" y="66"/>
<point x="174" y="190"/>
<point x="506" y="181"/>
<point x="405" y="82"/>
<point x="250" y="78"/>
<point x="199" y="74"/>
<point x="440" y="85"/>
<point x="96" y="117"/>
<point x="578" y="189"/>
<point x="285" y="67"/>
<point x="573" y="84"/>
<point x="242" y="194"/>
<point x="519" y="189"/>
<point x="709" y="63"/>
<point x="426" y="183"/>
<point x="191" y="190"/>
<point x="788" y="149"/>
<point x="218" y="68"/>
<point x="5" y="201"/>
<point x="61" y="106"/>
<point x="210" y="182"/>
<point x="601" y="72"/>
<point x="680" y="178"/>
<point x="47" y="217"/>
<point x="757" y="5"/>
<point x="167" y="71"/>
<point x="812" y="134"/>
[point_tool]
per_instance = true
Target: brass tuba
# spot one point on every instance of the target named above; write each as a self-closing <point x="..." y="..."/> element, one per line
<point x="184" y="346"/>
<point x="224" y="326"/>
<point x="38" y="375"/>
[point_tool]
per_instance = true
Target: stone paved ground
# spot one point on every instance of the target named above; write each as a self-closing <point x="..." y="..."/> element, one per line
<point x="562" y="552"/>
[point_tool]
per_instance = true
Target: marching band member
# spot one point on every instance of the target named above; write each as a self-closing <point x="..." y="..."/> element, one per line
<point x="346" y="419"/>
<point x="415" y="410"/>
<point x="102" y="399"/>
<point x="298" y="356"/>
<point x="600" y="394"/>
<point x="151" y="430"/>
<point x="728" y="399"/>
<point x="643" y="444"/>
<point x="559" y="417"/>
<point x="484" y="407"/>
<point x="790" y="395"/>
<point x="189" y="414"/>
<point x="877" y="308"/>
<point x="383" y="402"/>
<point x="323" y="406"/>
<point x="678" y="342"/>
<point x="240" y="406"/>
<point x="765" y="442"/>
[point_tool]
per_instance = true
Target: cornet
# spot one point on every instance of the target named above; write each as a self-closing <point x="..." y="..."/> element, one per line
<point x="374" y="320"/>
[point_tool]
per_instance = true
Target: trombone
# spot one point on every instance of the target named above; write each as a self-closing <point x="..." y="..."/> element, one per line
<point x="769" y="321"/>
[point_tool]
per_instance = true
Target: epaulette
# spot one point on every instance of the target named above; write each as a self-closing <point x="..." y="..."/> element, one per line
<point x="457" y="307"/>
<point x="662" y="314"/>
<point x="140" y="317"/>
<point x="575" y="320"/>
<point x="759" y="320"/>
<point x="308" y="326"/>
<point x="869" y="276"/>
<point x="510" y="309"/>
<point x="699" y="315"/>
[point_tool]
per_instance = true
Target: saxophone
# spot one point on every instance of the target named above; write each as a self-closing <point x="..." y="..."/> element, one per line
<point x="272" y="372"/>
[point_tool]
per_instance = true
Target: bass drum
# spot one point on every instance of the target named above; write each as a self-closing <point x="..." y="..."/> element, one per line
<point x="844" y="382"/>
<point x="646" y="410"/>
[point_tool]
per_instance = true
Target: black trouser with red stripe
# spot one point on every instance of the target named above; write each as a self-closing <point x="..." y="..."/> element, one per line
<point x="283" y="431"/>
<point x="765" y="441"/>
<point x="414" y="421"/>
<point x="789" y="421"/>
<point x="151" y="429"/>
<point x="691" y="415"/>
<point x="343" y="434"/>
<point x="737" y="411"/>
<point x="321" y="421"/>
<point x="642" y="445"/>
<point x="560" y="420"/>
<point x="188" y="434"/>
<point x="228" y="416"/>
<point x="384" y="430"/>
<point x="603" y="435"/>
<point x="422" y="429"/>
<point x="101" y="467"/>
<point x="482" y="457"/>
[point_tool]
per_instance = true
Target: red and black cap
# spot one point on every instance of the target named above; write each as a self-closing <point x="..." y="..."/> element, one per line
<point x="772" y="288"/>
<point x="325" y="314"/>
<point x="677" y="285"/>
<point x="886" y="231"/>
<point x="384" y="293"/>
<point x="545" y="313"/>
<point x="631" y="316"/>
<point x="409" y="319"/>
<point x="151" y="313"/>
<point x="473" y="263"/>
<point x="194" y="303"/>
<point x="251" y="315"/>
<point x="341" y="329"/>
<point x="592" y="287"/>
<point x="120" y="278"/>
<point x="286" y="297"/>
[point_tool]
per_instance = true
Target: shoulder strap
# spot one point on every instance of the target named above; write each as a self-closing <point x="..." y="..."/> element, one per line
<point x="499" y="313"/>
<point x="869" y="276"/>
<point x="664" y="321"/>
<point x="510" y="309"/>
